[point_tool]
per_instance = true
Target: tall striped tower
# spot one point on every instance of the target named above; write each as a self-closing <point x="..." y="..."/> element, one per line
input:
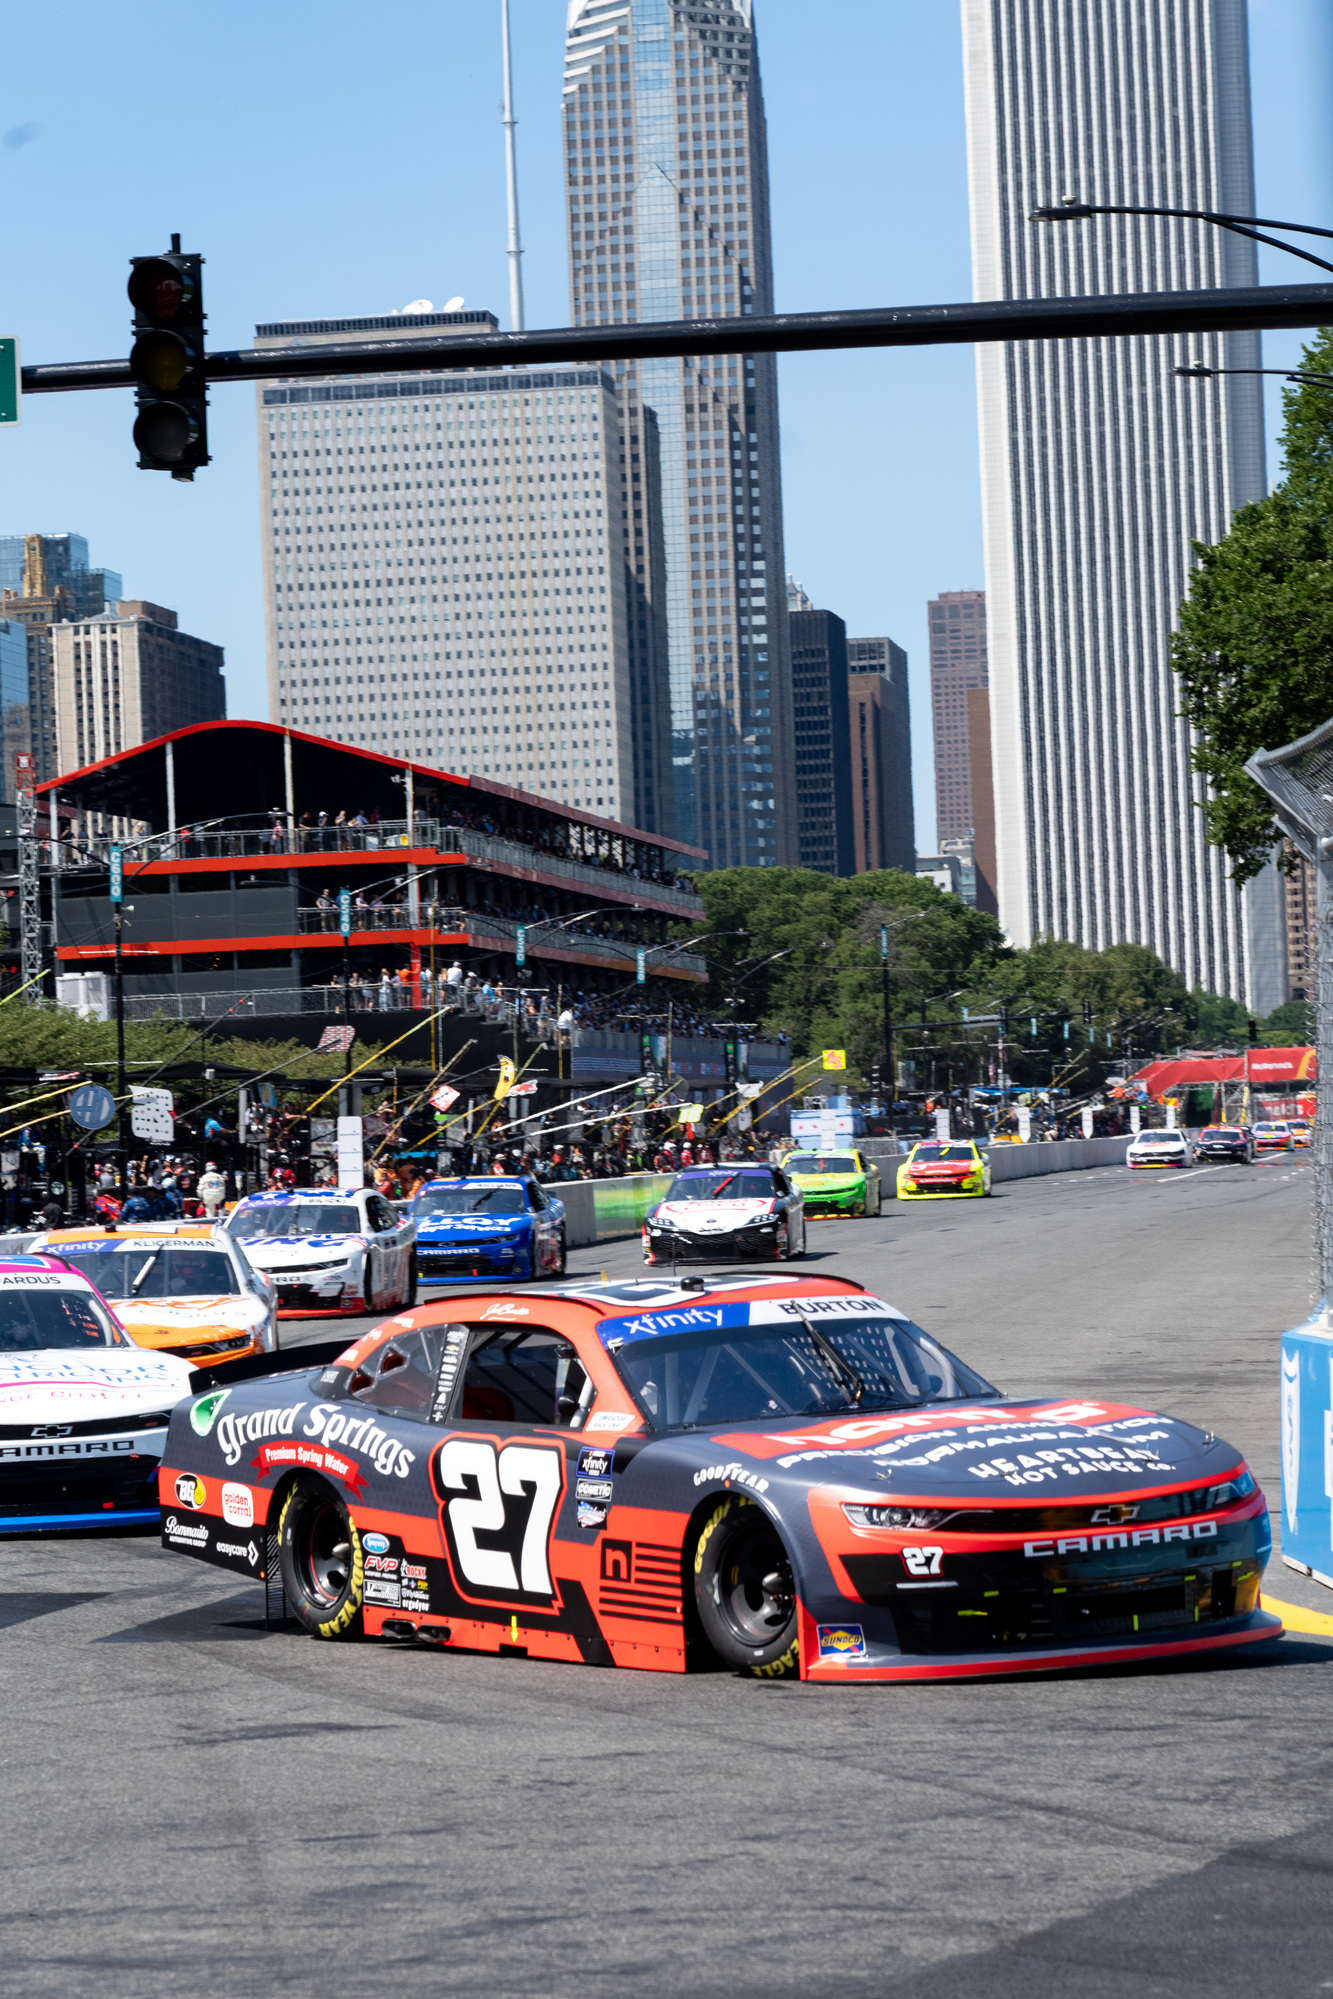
<point x="1099" y="468"/>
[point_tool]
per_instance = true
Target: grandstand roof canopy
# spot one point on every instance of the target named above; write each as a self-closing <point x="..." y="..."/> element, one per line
<point x="232" y="770"/>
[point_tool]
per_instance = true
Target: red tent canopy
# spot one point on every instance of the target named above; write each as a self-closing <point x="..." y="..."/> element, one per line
<point x="1268" y="1069"/>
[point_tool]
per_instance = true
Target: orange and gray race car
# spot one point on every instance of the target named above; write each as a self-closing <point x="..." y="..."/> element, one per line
<point x="178" y="1287"/>
<point x="782" y="1473"/>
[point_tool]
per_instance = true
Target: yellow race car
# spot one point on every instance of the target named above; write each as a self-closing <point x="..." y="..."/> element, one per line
<point x="940" y="1167"/>
<point x="178" y="1287"/>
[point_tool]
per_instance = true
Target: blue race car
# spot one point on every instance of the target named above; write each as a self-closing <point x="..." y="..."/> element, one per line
<point x="488" y="1228"/>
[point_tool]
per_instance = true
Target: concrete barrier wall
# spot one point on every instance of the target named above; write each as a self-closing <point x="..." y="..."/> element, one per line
<point x="599" y="1210"/>
<point x="1064" y="1155"/>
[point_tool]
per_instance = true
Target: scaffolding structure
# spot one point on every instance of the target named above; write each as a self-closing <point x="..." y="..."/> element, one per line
<point x="30" y="887"/>
<point x="1298" y="780"/>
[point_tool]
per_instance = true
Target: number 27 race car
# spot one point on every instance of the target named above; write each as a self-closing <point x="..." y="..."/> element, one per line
<point x="782" y="1472"/>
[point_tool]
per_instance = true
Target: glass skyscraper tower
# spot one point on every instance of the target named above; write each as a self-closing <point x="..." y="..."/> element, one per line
<point x="668" y="219"/>
<point x="1100" y="468"/>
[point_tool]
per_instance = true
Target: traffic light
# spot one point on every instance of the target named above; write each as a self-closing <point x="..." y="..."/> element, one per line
<point x="1087" y="1013"/>
<point x="167" y="362"/>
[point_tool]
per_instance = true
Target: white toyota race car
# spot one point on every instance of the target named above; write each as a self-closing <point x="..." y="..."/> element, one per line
<point x="83" y="1410"/>
<point x="329" y="1253"/>
<point x="732" y="1213"/>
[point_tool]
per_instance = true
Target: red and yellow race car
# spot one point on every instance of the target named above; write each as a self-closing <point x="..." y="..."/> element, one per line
<point x="941" y="1168"/>
<point x="781" y="1473"/>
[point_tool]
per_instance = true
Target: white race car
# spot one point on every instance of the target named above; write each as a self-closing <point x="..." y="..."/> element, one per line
<point x="1159" y="1148"/>
<point x="727" y="1212"/>
<point x="83" y="1410"/>
<point x="329" y="1253"/>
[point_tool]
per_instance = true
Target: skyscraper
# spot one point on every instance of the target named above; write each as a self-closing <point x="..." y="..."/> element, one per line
<point x="957" y="662"/>
<point x="444" y="570"/>
<point x="823" y="737"/>
<point x="668" y="217"/>
<point x="883" y="822"/>
<point x="65" y="561"/>
<point x="1099" y="468"/>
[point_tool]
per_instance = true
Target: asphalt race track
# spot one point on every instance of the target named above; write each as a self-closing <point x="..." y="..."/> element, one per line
<point x="193" y="1806"/>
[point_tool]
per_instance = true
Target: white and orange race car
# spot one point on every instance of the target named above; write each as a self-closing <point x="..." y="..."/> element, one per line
<point x="177" y="1287"/>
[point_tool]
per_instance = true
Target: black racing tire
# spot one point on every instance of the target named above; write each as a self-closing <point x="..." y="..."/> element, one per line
<point x="743" y="1590"/>
<point x="321" y="1558"/>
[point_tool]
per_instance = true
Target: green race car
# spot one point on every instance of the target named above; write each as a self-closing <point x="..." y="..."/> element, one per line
<point x="836" y="1183"/>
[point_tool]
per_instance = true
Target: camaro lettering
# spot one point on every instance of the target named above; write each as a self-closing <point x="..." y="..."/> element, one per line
<point x="1140" y="1537"/>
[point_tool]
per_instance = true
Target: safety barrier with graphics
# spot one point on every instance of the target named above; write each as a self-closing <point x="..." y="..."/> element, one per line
<point x="1307" y="1448"/>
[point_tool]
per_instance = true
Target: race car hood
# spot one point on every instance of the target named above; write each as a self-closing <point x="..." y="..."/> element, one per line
<point x="828" y="1183"/>
<point x="986" y="1453"/>
<point x="713" y="1214"/>
<point x="292" y="1252"/>
<point x="60" y="1385"/>
<point x="170" y="1317"/>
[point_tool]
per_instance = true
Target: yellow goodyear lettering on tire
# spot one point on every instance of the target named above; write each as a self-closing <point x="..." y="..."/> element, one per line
<point x="350" y="1608"/>
<point x="710" y="1527"/>
<point x="779" y="1669"/>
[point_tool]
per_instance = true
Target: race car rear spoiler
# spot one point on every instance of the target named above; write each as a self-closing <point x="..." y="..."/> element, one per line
<point x="288" y="1360"/>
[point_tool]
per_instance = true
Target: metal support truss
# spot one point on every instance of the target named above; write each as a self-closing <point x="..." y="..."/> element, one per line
<point x="30" y="891"/>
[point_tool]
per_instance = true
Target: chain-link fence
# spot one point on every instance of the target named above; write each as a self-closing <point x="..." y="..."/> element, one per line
<point x="1299" y="782"/>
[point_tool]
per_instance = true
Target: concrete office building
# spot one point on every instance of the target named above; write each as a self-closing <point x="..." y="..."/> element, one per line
<point x="983" y="799"/>
<point x="823" y="737"/>
<point x="667" y="172"/>
<point x="444" y="569"/>
<point x="1099" y="469"/>
<point x="127" y="678"/>
<point x="880" y="719"/>
<point x="957" y="624"/>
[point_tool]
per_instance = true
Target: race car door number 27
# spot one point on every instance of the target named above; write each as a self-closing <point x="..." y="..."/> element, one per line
<point x="498" y="1506"/>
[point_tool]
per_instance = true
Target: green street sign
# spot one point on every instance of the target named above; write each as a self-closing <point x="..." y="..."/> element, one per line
<point x="10" y="381"/>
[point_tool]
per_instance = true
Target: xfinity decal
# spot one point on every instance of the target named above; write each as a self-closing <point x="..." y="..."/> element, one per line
<point x="651" y="1325"/>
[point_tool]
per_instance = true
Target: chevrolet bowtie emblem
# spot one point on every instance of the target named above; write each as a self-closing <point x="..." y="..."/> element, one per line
<point x="1113" y="1516"/>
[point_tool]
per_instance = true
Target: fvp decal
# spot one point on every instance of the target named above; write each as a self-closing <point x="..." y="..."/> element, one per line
<point x="497" y="1506"/>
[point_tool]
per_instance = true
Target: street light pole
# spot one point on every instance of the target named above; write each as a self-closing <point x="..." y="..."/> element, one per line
<point x="1071" y="209"/>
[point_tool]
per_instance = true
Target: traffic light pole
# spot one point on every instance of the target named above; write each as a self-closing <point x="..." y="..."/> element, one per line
<point x="1221" y="309"/>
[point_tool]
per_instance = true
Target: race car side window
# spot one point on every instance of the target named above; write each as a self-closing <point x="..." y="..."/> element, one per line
<point x="524" y="1375"/>
<point x="401" y="1375"/>
<point x="537" y="1198"/>
<point x="382" y="1216"/>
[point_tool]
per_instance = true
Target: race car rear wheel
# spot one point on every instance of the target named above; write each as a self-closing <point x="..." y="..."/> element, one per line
<point x="323" y="1567"/>
<point x="743" y="1589"/>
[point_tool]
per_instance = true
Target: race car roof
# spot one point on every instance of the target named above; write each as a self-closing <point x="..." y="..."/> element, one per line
<point x="477" y="1180"/>
<point x="94" y="1232"/>
<point x="323" y="1194"/>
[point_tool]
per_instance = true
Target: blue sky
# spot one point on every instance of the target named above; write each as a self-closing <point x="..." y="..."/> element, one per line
<point x="339" y="160"/>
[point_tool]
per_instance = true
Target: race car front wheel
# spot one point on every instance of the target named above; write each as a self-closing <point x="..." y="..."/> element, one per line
<point x="323" y="1568"/>
<point x="743" y="1589"/>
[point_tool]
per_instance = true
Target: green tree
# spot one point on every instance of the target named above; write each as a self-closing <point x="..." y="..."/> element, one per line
<point x="1290" y="1025"/>
<point x="1254" y="652"/>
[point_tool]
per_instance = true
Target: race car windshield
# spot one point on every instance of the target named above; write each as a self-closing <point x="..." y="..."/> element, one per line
<point x="296" y="1218"/>
<point x="1158" y="1138"/>
<point x="815" y="1368"/>
<point x="156" y="1270"/>
<point x="721" y="1186"/>
<point x="470" y="1201"/>
<point x="1221" y="1131"/>
<point x="31" y="1320"/>
<point x="953" y="1154"/>
<point x="822" y="1162"/>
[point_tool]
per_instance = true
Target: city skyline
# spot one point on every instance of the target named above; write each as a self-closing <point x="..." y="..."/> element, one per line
<point x="877" y="522"/>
